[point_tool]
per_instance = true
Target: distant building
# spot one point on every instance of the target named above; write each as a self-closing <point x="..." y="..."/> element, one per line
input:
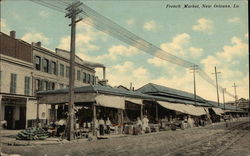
<point x="27" y="68"/>
<point x="241" y="103"/>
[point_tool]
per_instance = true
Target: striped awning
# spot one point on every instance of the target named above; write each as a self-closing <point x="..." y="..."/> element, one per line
<point x="187" y="109"/>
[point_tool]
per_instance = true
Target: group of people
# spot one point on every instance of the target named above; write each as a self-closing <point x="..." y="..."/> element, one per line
<point x="104" y="126"/>
<point x="142" y="125"/>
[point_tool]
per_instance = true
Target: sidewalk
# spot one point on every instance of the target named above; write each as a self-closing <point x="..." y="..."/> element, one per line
<point x="7" y="137"/>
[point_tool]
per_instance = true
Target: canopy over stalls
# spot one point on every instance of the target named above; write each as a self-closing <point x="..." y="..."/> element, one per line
<point x="163" y="93"/>
<point x="110" y="101"/>
<point x="226" y="107"/>
<point x="187" y="109"/>
<point x="135" y="101"/>
<point x="218" y="111"/>
<point x="103" y="96"/>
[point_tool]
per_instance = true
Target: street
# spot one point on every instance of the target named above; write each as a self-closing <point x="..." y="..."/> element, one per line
<point x="214" y="139"/>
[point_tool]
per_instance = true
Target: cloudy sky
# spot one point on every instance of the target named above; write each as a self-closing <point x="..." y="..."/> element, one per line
<point x="207" y="37"/>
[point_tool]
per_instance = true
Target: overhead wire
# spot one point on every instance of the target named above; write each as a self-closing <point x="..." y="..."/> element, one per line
<point x="104" y="24"/>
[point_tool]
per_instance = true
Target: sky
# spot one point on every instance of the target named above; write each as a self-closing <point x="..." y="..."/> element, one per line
<point x="207" y="37"/>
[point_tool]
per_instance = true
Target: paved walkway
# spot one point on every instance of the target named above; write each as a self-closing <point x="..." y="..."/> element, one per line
<point x="8" y="136"/>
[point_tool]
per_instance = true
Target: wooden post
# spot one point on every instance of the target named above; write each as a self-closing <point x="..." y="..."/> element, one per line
<point x="37" y="114"/>
<point x="156" y="112"/>
<point x="121" y="121"/>
<point x="141" y="114"/>
<point x="73" y="10"/>
<point x="53" y="111"/>
<point x="94" y="119"/>
<point x="1" y="109"/>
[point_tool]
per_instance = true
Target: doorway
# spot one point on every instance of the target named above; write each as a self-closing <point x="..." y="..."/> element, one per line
<point x="8" y="116"/>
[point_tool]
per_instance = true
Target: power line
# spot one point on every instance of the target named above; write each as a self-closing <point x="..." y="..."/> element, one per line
<point x="104" y="24"/>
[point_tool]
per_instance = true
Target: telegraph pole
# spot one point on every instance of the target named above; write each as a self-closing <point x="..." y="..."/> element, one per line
<point x="235" y="95"/>
<point x="73" y="11"/>
<point x="194" y="68"/>
<point x="223" y="91"/>
<point x="218" y="98"/>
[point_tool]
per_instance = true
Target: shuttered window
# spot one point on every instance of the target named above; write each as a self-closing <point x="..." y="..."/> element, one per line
<point x="84" y="76"/>
<point x="13" y="83"/>
<point x="53" y="67"/>
<point x="78" y="75"/>
<point x="46" y="65"/>
<point x="27" y="85"/>
<point x="61" y="70"/>
<point x="67" y="71"/>
<point x="38" y="62"/>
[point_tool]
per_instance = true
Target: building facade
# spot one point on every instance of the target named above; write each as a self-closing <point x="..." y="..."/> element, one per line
<point x="26" y="69"/>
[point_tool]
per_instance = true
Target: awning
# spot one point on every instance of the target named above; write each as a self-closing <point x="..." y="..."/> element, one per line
<point x="195" y="110"/>
<point x="218" y="111"/>
<point x="206" y="109"/>
<point x="187" y="109"/>
<point x="110" y="101"/>
<point x="135" y="101"/>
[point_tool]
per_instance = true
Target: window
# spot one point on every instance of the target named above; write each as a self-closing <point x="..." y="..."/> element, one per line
<point x="95" y="79"/>
<point x="53" y="67"/>
<point x="13" y="83"/>
<point x="61" y="69"/>
<point x="92" y="79"/>
<point x="84" y="77"/>
<point x="38" y="62"/>
<point x="38" y="85"/>
<point x="27" y="85"/>
<point x="88" y="78"/>
<point x="52" y="86"/>
<point x="45" y="85"/>
<point x="67" y="71"/>
<point x="61" y="86"/>
<point x="78" y="75"/>
<point x="46" y="65"/>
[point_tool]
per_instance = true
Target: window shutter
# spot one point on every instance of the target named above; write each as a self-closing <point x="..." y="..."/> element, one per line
<point x="14" y="83"/>
<point x="42" y="60"/>
<point x="50" y="67"/>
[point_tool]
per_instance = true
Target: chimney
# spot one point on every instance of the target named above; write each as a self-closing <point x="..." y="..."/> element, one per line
<point x="104" y="73"/>
<point x="13" y="34"/>
<point x="39" y="44"/>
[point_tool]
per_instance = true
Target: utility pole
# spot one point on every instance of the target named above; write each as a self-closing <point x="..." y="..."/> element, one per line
<point x="223" y="91"/>
<point x="194" y="68"/>
<point x="73" y="11"/>
<point x="235" y="95"/>
<point x="215" y="72"/>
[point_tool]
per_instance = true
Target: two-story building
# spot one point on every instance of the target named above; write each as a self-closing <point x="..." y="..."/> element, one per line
<point x="27" y="68"/>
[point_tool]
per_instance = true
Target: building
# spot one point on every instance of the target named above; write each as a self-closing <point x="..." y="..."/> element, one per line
<point x="28" y="68"/>
<point x="241" y="103"/>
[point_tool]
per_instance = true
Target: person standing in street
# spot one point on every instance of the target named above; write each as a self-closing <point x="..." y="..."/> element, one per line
<point x="101" y="126"/>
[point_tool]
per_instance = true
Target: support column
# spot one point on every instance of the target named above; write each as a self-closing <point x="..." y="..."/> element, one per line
<point x="53" y="111"/>
<point x="94" y="120"/>
<point x="156" y="112"/>
<point x="37" y="114"/>
<point x="141" y="114"/>
<point x="1" y="108"/>
<point x="122" y="121"/>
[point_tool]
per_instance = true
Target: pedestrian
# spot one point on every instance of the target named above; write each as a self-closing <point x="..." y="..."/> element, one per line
<point x="108" y="125"/>
<point x="145" y="126"/>
<point x="101" y="126"/>
<point x="190" y="122"/>
<point x="139" y="125"/>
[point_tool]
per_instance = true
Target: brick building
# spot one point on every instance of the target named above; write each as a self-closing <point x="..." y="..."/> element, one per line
<point x="27" y="68"/>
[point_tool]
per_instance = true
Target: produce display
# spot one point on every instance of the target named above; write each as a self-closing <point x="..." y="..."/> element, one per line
<point x="32" y="133"/>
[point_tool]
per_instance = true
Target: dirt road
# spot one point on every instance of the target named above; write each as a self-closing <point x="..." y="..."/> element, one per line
<point x="210" y="140"/>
